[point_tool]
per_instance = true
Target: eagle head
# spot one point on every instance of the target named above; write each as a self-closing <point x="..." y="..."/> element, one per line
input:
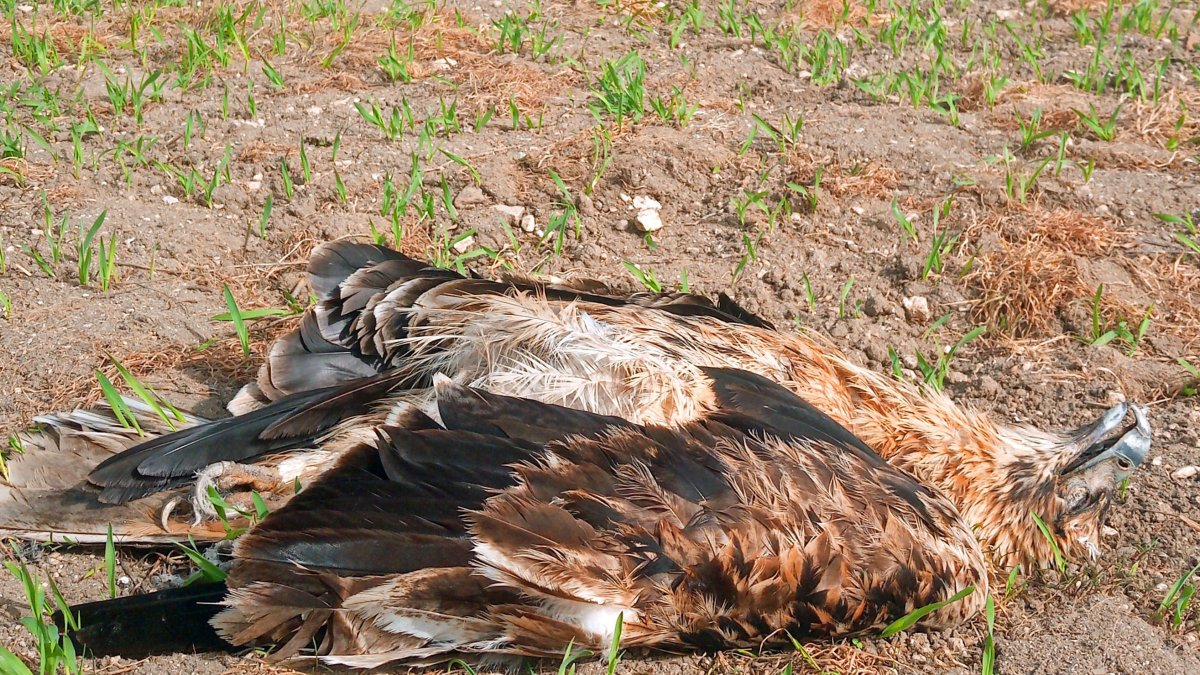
<point x="1068" y="479"/>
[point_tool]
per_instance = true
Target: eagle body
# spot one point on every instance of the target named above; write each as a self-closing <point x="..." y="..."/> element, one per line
<point x="514" y="527"/>
<point x="504" y="466"/>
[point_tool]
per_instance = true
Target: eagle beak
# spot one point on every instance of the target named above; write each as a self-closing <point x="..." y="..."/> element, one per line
<point x="1097" y="443"/>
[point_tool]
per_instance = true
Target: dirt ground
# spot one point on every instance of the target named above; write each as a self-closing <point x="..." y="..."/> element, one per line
<point x="801" y="160"/>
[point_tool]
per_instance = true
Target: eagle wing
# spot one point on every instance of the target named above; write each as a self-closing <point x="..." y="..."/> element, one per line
<point x="517" y="527"/>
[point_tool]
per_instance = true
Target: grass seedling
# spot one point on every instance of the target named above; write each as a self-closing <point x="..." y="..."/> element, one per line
<point x="940" y="248"/>
<point x="1188" y="236"/>
<point x="391" y="125"/>
<point x="107" y="268"/>
<point x="809" y="296"/>
<point x="305" y="166"/>
<point x="54" y="650"/>
<point x="1060" y="561"/>
<point x="1031" y="131"/>
<point x="1086" y="169"/>
<point x="602" y="155"/>
<point x="120" y="409"/>
<point x="166" y="412"/>
<point x="843" y="296"/>
<point x="810" y="193"/>
<point x="1010" y="584"/>
<point x="394" y="65"/>
<point x="993" y="85"/>
<point x="110" y="563"/>
<point x="645" y="276"/>
<point x="239" y="322"/>
<point x="5" y="304"/>
<point x="674" y="109"/>
<point x="265" y="216"/>
<point x="620" y="91"/>
<point x="1190" y="388"/>
<point x="906" y="225"/>
<point x="935" y="373"/>
<point x="614" y="657"/>
<point x="1180" y="595"/>
<point x="894" y="359"/>
<point x="1131" y="337"/>
<point x="568" y="214"/>
<point x="86" y="252"/>
<point x="273" y="75"/>
<point x="905" y="622"/>
<point x="285" y="176"/>
<point x="750" y="244"/>
<point x="988" y="667"/>
<point x="461" y="161"/>
<point x="1103" y="129"/>
<point x="205" y="569"/>
<point x="785" y="136"/>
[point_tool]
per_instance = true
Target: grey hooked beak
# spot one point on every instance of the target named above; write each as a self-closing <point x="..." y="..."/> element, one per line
<point x="1097" y="443"/>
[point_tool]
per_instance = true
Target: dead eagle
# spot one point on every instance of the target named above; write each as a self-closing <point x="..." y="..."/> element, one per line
<point x="365" y="359"/>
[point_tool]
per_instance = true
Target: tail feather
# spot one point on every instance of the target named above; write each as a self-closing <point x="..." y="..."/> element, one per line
<point x="45" y="495"/>
<point x="137" y="626"/>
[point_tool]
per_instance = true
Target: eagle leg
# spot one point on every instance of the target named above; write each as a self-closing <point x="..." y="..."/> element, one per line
<point x="227" y="478"/>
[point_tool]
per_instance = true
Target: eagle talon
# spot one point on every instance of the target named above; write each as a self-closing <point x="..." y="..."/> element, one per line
<point x="224" y="478"/>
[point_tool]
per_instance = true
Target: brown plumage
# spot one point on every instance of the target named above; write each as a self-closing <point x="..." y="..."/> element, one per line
<point x="520" y="527"/>
<point x="367" y="355"/>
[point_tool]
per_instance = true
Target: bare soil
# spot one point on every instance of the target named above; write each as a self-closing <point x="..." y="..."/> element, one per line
<point x="1027" y="266"/>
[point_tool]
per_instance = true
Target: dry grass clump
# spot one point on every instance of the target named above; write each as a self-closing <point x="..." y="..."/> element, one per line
<point x="841" y="179"/>
<point x="1027" y="272"/>
<point x="439" y="45"/>
<point x="17" y="172"/>
<point x="823" y="657"/>
<point x="1176" y="115"/>
<point x="828" y="13"/>
<point x="1174" y="284"/>
<point x="1067" y="7"/>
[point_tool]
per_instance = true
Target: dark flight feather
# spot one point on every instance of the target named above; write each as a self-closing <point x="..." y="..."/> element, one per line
<point x="291" y="422"/>
<point x="138" y="626"/>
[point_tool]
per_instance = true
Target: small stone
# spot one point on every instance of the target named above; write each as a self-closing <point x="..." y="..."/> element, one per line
<point x="463" y="245"/>
<point x="512" y="214"/>
<point x="988" y="386"/>
<point x="649" y="221"/>
<point x="647" y="218"/>
<point x="168" y="200"/>
<point x="642" y="202"/>
<point x="470" y="196"/>
<point x="1184" y="472"/>
<point x="527" y="223"/>
<point x="916" y="308"/>
<point x="876" y="305"/>
<point x="586" y="206"/>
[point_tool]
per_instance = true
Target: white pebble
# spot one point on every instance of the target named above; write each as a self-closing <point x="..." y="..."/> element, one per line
<point x="1185" y="471"/>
